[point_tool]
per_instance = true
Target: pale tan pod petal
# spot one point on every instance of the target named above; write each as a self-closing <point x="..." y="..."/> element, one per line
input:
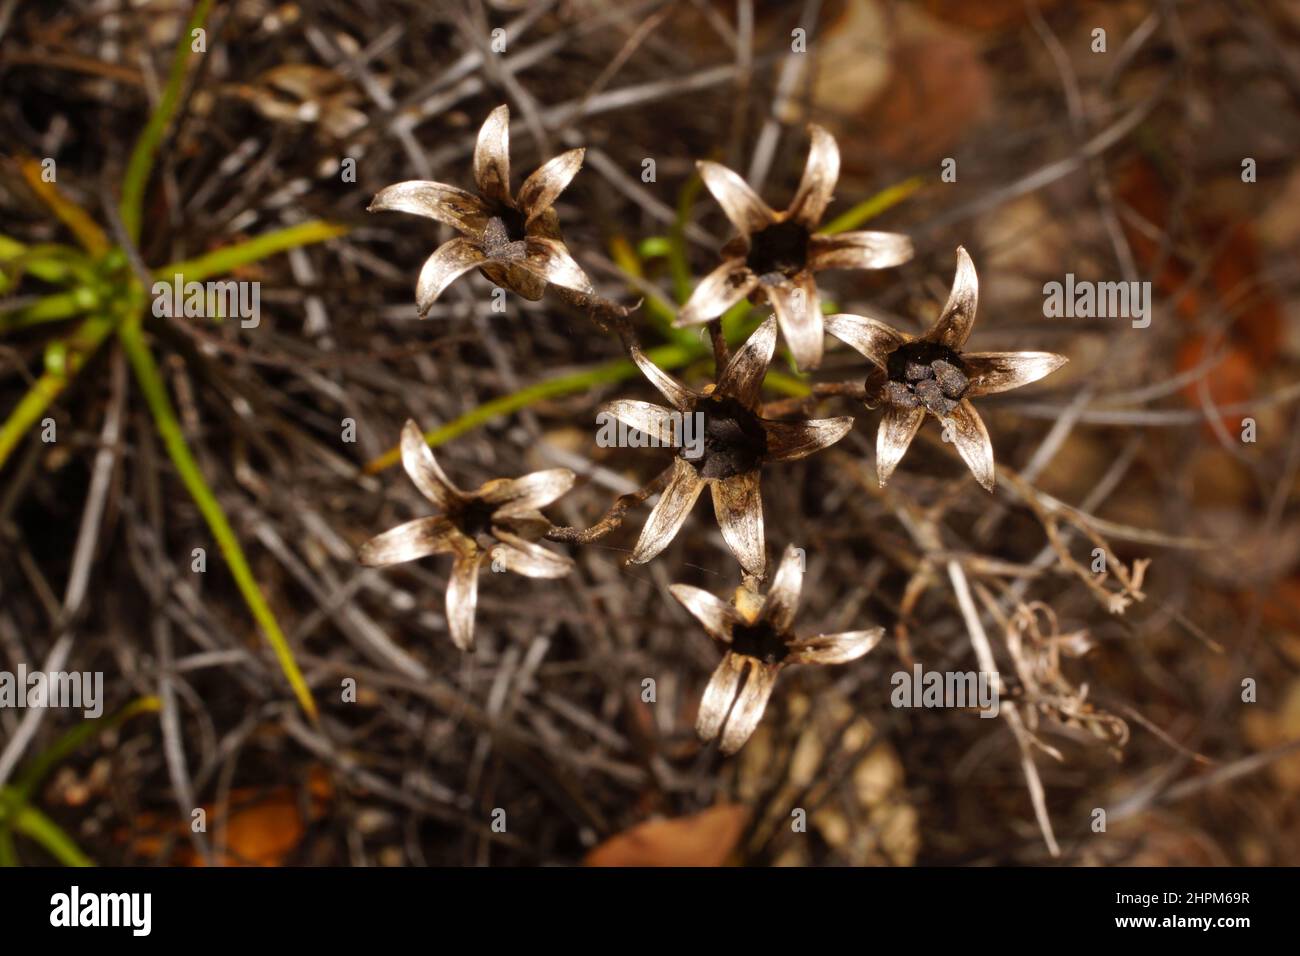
<point x="789" y="441"/>
<point x="798" y="310"/>
<point x="527" y="557"/>
<point x="991" y="372"/>
<point x="462" y="600"/>
<point x="782" y="600"/>
<point x="750" y="704"/>
<point x="898" y="426"/>
<point x="973" y="444"/>
<point x="738" y="503"/>
<point x="551" y="261"/>
<point x="716" y="615"/>
<point x="871" y="337"/>
<point x="492" y="156"/>
<point x="449" y="262"/>
<point x="424" y="470"/>
<point x="457" y="208"/>
<point x="519" y="280"/>
<point x="747" y="212"/>
<point x="719" y="695"/>
<point x="516" y="497"/>
<point x="662" y="424"/>
<point x="958" y="316"/>
<point x="408" y="542"/>
<point x="742" y="379"/>
<point x="834" y="648"/>
<point x="859" y="250"/>
<point x="820" y="174"/>
<point x="543" y="187"/>
<point x="678" y="395"/>
<point x="670" y="513"/>
<point x="717" y="292"/>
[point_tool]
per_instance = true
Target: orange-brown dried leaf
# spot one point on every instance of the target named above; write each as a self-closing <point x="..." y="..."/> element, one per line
<point x="707" y="838"/>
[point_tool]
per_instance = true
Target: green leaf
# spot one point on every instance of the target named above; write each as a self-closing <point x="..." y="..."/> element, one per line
<point x="77" y="349"/>
<point x="140" y="165"/>
<point x="30" y="822"/>
<point x="169" y="429"/>
<point x="870" y="208"/>
<point x="30" y="777"/>
<point x="229" y="258"/>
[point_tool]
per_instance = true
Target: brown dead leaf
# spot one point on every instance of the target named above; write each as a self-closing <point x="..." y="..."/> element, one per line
<point x="263" y="827"/>
<point x="938" y="89"/>
<point x="1266" y="729"/>
<point x="703" y="839"/>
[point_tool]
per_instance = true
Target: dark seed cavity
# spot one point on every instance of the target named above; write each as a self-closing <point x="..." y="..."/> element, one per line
<point x="778" y="252"/>
<point x="928" y="374"/>
<point x="735" y="442"/>
<point x="760" y="641"/>
<point x="474" y="519"/>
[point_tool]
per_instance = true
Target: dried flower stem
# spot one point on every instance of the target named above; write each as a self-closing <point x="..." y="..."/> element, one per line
<point x="803" y="404"/>
<point x="604" y="312"/>
<point x="984" y="654"/>
<point x="721" y="354"/>
<point x="613" y="517"/>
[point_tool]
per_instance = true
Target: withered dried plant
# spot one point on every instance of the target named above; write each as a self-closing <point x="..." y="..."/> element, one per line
<point x="499" y="523"/>
<point x="737" y="443"/>
<point x="513" y="240"/>
<point x="913" y="376"/>
<point x="775" y="254"/>
<point x="757" y="632"/>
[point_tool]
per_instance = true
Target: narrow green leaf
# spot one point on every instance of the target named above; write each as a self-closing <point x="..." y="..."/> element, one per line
<point x="155" y="395"/>
<point x="140" y="164"/>
<point x="228" y="258"/>
<point x="30" y="777"/>
<point x="30" y="822"/>
<point x="78" y="348"/>
<point x="869" y="208"/>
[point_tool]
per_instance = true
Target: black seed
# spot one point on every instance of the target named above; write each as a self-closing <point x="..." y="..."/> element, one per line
<point x="925" y="373"/>
<point x="932" y="397"/>
<point x="503" y="237"/>
<point x="896" y="393"/>
<point x="951" y="380"/>
<point x="915" y="372"/>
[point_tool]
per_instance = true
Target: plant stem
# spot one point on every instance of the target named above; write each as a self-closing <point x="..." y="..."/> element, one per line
<point x="169" y="429"/>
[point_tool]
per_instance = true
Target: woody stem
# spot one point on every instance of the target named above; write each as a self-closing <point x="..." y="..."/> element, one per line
<point x="604" y="312"/>
<point x="819" y="390"/>
<point x="613" y="517"/>
<point x="720" y="353"/>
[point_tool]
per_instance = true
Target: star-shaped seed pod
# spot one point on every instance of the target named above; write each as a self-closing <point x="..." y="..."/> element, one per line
<point x="775" y="255"/>
<point x="759" y="640"/>
<point x="513" y="240"/>
<point x="735" y="445"/>
<point x="913" y="376"/>
<point x="499" y="523"/>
